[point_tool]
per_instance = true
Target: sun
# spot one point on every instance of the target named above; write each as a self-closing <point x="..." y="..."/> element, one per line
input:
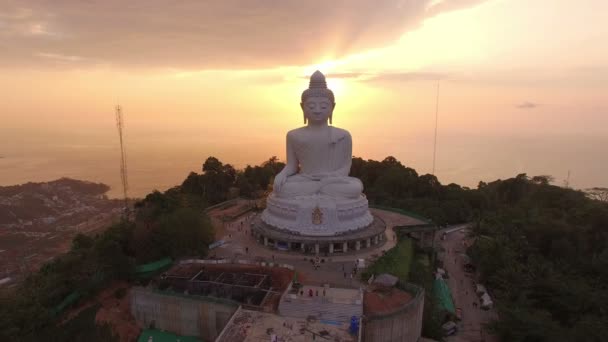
<point x="337" y="85"/>
<point x="326" y="67"/>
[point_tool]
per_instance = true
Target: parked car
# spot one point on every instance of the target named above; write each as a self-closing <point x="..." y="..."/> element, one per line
<point x="449" y="328"/>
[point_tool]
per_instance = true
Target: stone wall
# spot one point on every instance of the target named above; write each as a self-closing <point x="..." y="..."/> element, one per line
<point x="180" y="314"/>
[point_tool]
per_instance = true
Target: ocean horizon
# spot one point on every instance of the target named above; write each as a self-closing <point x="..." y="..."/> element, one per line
<point x="161" y="164"/>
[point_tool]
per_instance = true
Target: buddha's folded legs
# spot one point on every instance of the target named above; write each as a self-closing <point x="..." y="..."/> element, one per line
<point x="339" y="187"/>
<point x="343" y="187"/>
<point x="299" y="185"/>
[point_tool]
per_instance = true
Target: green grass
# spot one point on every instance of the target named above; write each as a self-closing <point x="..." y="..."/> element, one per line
<point x="397" y="261"/>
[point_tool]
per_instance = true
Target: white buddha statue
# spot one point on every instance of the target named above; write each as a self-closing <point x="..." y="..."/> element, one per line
<point x="313" y="194"/>
<point x="319" y="156"/>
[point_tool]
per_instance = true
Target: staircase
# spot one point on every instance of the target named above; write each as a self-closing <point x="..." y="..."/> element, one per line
<point x="320" y="308"/>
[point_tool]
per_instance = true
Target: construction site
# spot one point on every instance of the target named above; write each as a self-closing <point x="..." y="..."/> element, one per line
<point x="249" y="285"/>
<point x="198" y="298"/>
<point x="250" y="301"/>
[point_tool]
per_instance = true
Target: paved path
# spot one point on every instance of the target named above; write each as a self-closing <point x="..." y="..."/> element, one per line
<point x="463" y="292"/>
<point x="335" y="270"/>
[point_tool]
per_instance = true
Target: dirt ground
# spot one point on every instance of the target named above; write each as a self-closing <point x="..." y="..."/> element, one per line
<point x="114" y="311"/>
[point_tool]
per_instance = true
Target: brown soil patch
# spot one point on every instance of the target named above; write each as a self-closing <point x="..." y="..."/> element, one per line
<point x="115" y="312"/>
<point x="384" y="300"/>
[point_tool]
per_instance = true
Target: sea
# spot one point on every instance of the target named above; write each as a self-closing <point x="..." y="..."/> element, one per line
<point x="466" y="159"/>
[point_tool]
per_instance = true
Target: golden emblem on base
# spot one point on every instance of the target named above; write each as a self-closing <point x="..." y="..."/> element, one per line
<point x="317" y="216"/>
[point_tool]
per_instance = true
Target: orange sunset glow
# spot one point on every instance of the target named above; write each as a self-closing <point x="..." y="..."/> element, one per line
<point x="522" y="85"/>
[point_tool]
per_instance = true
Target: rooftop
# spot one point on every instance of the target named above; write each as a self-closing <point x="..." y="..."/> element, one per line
<point x="384" y="300"/>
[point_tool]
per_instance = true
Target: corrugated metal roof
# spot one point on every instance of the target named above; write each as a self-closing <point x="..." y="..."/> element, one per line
<point x="442" y="292"/>
<point x="153" y="335"/>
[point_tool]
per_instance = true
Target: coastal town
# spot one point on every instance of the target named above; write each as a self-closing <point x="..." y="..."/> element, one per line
<point x="39" y="220"/>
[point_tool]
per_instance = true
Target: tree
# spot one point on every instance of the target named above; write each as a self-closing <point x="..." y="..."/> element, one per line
<point x="81" y="241"/>
<point x="543" y="179"/>
<point x="598" y="193"/>
<point x="212" y="164"/>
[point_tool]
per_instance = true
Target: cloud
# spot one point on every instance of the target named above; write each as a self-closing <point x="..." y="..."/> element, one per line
<point x="527" y="105"/>
<point x="408" y="76"/>
<point x="207" y="34"/>
<point x="387" y="76"/>
<point x="59" y="57"/>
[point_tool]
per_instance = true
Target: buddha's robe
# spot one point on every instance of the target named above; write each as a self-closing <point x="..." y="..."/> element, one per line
<point x="324" y="158"/>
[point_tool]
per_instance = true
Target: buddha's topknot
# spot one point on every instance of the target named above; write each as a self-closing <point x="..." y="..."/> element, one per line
<point x="318" y="88"/>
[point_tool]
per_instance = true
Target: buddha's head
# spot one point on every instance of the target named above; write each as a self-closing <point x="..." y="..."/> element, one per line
<point x="317" y="101"/>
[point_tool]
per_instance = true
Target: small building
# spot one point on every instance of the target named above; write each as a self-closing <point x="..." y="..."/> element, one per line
<point x="199" y="297"/>
<point x="392" y="314"/>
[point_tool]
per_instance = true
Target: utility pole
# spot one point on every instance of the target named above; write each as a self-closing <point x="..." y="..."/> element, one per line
<point x="123" y="161"/>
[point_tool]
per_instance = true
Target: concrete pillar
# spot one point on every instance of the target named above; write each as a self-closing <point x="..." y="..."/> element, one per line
<point x="265" y="241"/>
<point x="376" y="240"/>
<point x="302" y="247"/>
<point x="358" y="245"/>
<point x="316" y="248"/>
<point x="368" y="243"/>
<point x="331" y="247"/>
<point x="345" y="247"/>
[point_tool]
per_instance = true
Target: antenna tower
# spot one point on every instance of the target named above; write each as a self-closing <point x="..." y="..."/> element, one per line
<point x="123" y="160"/>
<point x="436" y="119"/>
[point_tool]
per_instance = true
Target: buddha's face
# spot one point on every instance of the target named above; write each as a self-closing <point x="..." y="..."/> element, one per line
<point x="317" y="109"/>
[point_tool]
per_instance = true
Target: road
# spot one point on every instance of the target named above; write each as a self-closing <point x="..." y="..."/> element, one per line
<point x="463" y="293"/>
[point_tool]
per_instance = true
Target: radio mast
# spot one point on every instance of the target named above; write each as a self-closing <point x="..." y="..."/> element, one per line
<point x="123" y="160"/>
<point x="436" y="119"/>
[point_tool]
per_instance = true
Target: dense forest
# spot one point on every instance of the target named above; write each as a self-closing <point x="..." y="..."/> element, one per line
<point x="541" y="249"/>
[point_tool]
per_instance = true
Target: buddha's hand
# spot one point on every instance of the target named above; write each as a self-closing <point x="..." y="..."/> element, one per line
<point x="323" y="175"/>
<point x="279" y="180"/>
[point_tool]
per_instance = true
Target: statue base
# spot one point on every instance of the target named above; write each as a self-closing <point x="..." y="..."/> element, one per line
<point x="317" y="215"/>
<point x="352" y="241"/>
<point x="318" y="224"/>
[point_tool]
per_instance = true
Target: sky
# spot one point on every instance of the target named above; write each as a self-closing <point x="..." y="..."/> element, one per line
<point x="522" y="85"/>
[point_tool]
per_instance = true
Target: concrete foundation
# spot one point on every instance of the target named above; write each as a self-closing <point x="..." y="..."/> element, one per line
<point x="190" y="316"/>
